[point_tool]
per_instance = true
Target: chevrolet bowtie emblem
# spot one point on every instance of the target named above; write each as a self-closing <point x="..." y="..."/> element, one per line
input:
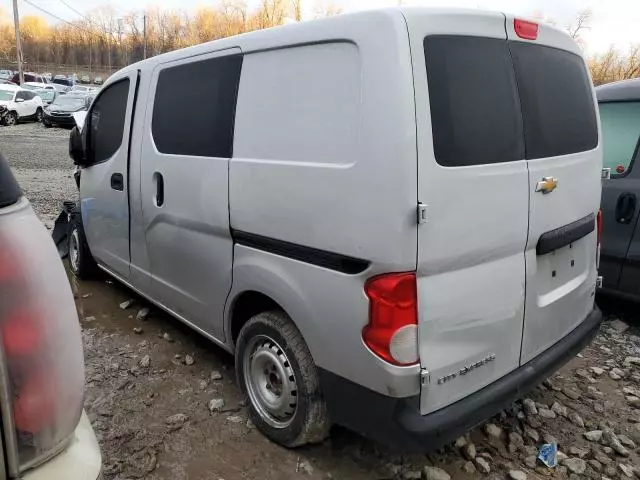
<point x="547" y="185"/>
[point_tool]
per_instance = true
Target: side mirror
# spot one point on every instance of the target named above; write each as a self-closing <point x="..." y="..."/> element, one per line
<point x="76" y="150"/>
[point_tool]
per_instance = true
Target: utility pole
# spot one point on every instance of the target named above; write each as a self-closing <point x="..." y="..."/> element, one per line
<point x="16" y="21"/>
<point x="144" y="35"/>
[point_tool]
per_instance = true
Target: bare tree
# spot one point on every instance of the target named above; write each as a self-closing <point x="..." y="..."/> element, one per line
<point x="326" y="8"/>
<point x="580" y="24"/>
<point x="296" y="10"/>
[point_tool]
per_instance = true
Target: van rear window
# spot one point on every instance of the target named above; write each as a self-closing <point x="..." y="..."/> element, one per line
<point x="557" y="101"/>
<point x="475" y="115"/>
<point x="495" y="101"/>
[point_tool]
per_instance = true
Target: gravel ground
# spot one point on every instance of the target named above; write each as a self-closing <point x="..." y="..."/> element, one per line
<point x="149" y="384"/>
<point x="41" y="163"/>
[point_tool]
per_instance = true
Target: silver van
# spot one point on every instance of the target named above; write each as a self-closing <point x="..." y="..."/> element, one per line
<point x="390" y="217"/>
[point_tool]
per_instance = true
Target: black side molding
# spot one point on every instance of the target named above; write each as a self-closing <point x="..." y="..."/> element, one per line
<point x="321" y="258"/>
<point x="563" y="236"/>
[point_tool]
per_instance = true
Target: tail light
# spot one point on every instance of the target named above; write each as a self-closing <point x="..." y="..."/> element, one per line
<point x="41" y="359"/>
<point x="599" y="230"/>
<point x="392" y="332"/>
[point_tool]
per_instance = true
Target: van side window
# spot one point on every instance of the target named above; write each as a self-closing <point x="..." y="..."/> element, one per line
<point x="620" y="135"/>
<point x="106" y="121"/>
<point x="194" y="107"/>
<point x="300" y="104"/>
<point x="557" y="101"/>
<point x="475" y="112"/>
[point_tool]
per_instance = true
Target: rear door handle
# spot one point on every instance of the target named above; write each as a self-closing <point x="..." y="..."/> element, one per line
<point x="626" y="207"/>
<point x="117" y="182"/>
<point x="159" y="181"/>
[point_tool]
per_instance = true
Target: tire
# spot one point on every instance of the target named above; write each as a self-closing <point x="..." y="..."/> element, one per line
<point x="46" y="124"/>
<point x="39" y="115"/>
<point x="11" y="119"/>
<point x="81" y="262"/>
<point x="274" y="363"/>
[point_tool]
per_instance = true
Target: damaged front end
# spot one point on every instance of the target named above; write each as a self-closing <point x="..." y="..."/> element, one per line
<point x="70" y="210"/>
<point x="62" y="227"/>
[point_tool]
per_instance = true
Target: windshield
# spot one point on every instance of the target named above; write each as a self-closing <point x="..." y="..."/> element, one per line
<point x="6" y="95"/>
<point x="69" y="101"/>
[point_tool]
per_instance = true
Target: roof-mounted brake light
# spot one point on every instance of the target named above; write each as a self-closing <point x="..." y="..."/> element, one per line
<point x="525" y="29"/>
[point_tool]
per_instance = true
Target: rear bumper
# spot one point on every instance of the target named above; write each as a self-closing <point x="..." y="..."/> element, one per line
<point x="398" y="422"/>
<point x="81" y="460"/>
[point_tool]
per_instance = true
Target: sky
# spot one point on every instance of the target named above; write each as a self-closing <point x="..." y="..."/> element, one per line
<point x="614" y="21"/>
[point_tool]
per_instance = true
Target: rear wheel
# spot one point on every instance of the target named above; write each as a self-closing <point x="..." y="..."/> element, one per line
<point x="81" y="261"/>
<point x="39" y="115"/>
<point x="276" y="372"/>
<point x="11" y="119"/>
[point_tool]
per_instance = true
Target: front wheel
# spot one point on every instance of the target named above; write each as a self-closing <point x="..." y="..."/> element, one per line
<point x="11" y="119"/>
<point x="276" y="372"/>
<point x="82" y="263"/>
<point x="39" y="115"/>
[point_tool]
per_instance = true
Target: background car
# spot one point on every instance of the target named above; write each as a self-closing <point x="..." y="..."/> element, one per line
<point x="28" y="77"/>
<point x="21" y="104"/>
<point x="37" y="86"/>
<point x="5" y="74"/>
<point x="85" y="79"/>
<point x="46" y="435"/>
<point x="82" y="89"/>
<point x="66" y="82"/>
<point x="60" y="89"/>
<point x="619" y="105"/>
<point x="61" y="111"/>
<point x="47" y="96"/>
<point x="98" y="81"/>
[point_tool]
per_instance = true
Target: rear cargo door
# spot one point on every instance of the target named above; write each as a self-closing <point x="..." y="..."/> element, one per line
<point x="565" y="163"/>
<point x="473" y="183"/>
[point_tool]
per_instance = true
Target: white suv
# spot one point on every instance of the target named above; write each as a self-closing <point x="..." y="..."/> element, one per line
<point x="22" y="104"/>
<point x="45" y="433"/>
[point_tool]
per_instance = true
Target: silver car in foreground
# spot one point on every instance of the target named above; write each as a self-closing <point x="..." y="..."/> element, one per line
<point x="45" y="433"/>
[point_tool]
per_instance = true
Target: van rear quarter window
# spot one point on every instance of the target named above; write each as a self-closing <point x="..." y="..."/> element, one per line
<point x="194" y="107"/>
<point x="494" y="100"/>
